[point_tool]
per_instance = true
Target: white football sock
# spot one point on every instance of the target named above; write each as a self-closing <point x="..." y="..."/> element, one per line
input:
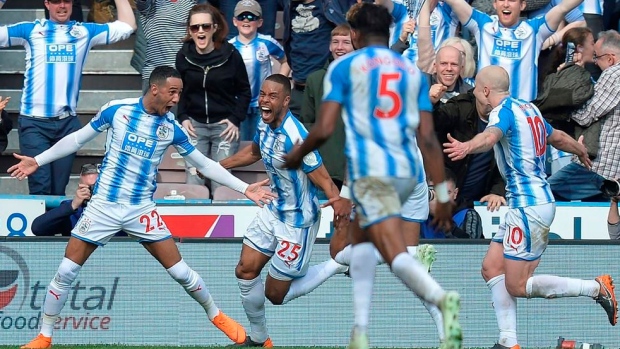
<point x="363" y="265"/>
<point x="412" y="250"/>
<point x="550" y="286"/>
<point x="57" y="293"/>
<point x="316" y="275"/>
<point x="195" y="286"/>
<point x="505" y="307"/>
<point x="253" y="301"/>
<point x="415" y="276"/>
<point x="344" y="257"/>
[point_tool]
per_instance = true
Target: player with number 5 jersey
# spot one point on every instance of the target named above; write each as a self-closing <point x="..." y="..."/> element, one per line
<point x="140" y="130"/>
<point x="519" y="134"/>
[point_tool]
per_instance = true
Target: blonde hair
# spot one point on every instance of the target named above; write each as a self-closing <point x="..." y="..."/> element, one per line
<point x="469" y="68"/>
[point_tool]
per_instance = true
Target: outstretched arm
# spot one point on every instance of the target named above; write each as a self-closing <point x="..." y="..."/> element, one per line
<point x="125" y="13"/>
<point x="555" y="16"/>
<point x="481" y="143"/>
<point x="67" y="145"/>
<point x="562" y="141"/>
<point x="462" y="9"/>
<point x="243" y="157"/>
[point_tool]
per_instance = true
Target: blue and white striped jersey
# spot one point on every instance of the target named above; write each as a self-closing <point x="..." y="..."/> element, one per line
<point x="256" y="57"/>
<point x="591" y="7"/>
<point x="297" y="203"/>
<point x="136" y="144"/>
<point x="55" y="55"/>
<point x="520" y="153"/>
<point x="381" y="94"/>
<point x="443" y="26"/>
<point x="515" y="49"/>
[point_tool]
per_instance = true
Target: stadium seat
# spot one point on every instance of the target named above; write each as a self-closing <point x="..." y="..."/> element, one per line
<point x="172" y="167"/>
<point x="226" y="194"/>
<point x="189" y="191"/>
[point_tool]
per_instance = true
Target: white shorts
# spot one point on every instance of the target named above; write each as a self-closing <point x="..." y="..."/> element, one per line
<point x="379" y="198"/>
<point x="290" y="247"/>
<point x="525" y="231"/>
<point x="416" y="208"/>
<point x="102" y="219"/>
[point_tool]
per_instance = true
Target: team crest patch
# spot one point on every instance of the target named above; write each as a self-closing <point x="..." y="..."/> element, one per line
<point x="311" y="160"/>
<point x="162" y="132"/>
<point x="84" y="225"/>
<point x="75" y="32"/>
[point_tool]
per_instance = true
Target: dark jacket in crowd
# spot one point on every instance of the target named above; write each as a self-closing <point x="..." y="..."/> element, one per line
<point x="59" y="220"/>
<point x="467" y="224"/>
<point x="458" y="116"/>
<point x="215" y="85"/>
<point x="5" y="127"/>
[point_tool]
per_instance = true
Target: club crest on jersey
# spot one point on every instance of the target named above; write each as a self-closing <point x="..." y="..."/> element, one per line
<point x="84" y="225"/>
<point x="76" y="32"/>
<point x="311" y="160"/>
<point x="162" y="132"/>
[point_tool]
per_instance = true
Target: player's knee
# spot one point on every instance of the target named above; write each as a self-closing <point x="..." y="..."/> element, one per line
<point x="246" y="271"/>
<point x="275" y="297"/>
<point x="491" y="267"/>
<point x="67" y="273"/>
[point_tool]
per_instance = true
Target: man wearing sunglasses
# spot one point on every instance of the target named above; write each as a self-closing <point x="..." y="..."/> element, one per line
<point x="61" y="220"/>
<point x="56" y="51"/>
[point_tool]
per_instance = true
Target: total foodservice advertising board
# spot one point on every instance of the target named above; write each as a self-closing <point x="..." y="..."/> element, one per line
<point x="228" y="220"/>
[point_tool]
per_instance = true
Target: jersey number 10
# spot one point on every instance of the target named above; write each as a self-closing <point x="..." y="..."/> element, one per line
<point x="539" y="133"/>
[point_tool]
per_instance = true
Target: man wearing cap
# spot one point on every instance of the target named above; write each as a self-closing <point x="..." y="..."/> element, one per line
<point x="256" y="50"/>
<point x="62" y="219"/>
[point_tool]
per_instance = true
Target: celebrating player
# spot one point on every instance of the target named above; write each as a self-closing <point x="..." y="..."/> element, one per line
<point x="140" y="130"/>
<point x="289" y="224"/>
<point x="383" y="100"/>
<point x="519" y="135"/>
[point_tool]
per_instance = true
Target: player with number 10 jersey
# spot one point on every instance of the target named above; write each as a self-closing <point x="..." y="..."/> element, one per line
<point x="381" y="94"/>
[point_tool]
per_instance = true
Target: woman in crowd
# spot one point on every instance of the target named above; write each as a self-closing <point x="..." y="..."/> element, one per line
<point x="216" y="91"/>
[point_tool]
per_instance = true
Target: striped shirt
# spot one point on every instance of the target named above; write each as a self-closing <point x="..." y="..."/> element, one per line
<point x="520" y="153"/>
<point x="515" y="49"/>
<point x="443" y="26"/>
<point x="297" y="203"/>
<point x="381" y="94"/>
<point x="257" y="59"/>
<point x="164" y="23"/>
<point x="136" y="145"/>
<point x="55" y="55"/>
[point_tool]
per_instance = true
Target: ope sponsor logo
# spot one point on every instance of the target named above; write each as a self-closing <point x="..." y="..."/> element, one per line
<point x="21" y="299"/>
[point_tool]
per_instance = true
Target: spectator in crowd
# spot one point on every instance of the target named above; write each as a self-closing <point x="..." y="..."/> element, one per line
<point x="332" y="151"/>
<point x="443" y="25"/>
<point x="575" y="182"/>
<point x="61" y="220"/>
<point x="446" y="82"/>
<point x="477" y="175"/>
<point x="163" y="24"/>
<point x="307" y="34"/>
<point x="6" y="124"/>
<point x="466" y="222"/>
<point x="216" y="92"/>
<point x="613" y="219"/>
<point x="573" y="19"/>
<point x="57" y="50"/>
<point x="510" y="42"/>
<point x="269" y="9"/>
<point x="76" y="13"/>
<point x="593" y="13"/>
<point x="426" y="49"/>
<point x="256" y="50"/>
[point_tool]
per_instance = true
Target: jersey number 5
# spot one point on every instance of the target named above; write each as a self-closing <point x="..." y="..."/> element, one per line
<point x="539" y="133"/>
<point x="391" y="93"/>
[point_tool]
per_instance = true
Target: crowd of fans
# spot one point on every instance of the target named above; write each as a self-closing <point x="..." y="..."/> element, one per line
<point x="563" y="55"/>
